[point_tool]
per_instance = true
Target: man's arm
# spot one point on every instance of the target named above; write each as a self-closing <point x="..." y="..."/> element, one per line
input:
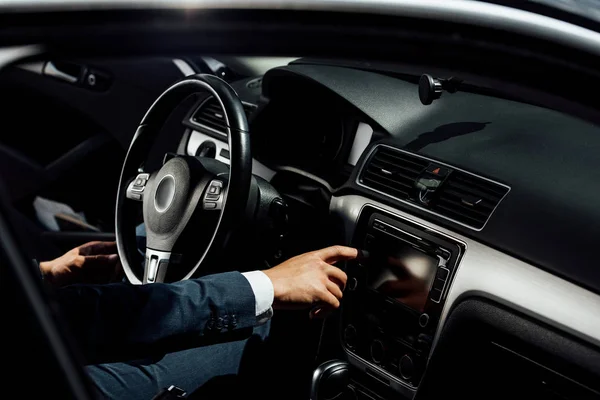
<point x="117" y="316"/>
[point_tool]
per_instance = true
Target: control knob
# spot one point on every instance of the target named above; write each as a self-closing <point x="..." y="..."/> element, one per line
<point x="378" y="350"/>
<point x="406" y="367"/>
<point x="350" y="336"/>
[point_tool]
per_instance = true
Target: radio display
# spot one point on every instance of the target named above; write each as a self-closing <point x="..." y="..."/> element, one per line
<point x="402" y="273"/>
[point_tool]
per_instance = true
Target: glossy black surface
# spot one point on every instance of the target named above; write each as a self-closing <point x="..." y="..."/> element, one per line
<point x="385" y="331"/>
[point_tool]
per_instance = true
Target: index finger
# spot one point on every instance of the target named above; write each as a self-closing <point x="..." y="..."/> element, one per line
<point x="337" y="253"/>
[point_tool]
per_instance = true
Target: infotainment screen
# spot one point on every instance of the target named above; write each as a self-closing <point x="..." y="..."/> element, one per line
<point x="403" y="274"/>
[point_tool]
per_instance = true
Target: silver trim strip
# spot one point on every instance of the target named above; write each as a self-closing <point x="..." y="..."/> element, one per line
<point x="395" y="383"/>
<point x="395" y="228"/>
<point x="184" y="67"/>
<point x="197" y="138"/>
<point x="460" y="11"/>
<point x="364" y="163"/>
<point x="11" y="55"/>
<point x="35" y="67"/>
<point x="489" y="273"/>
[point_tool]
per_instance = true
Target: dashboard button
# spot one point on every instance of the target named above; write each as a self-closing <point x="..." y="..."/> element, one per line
<point x="445" y="254"/>
<point x="436" y="295"/>
<point x="442" y="274"/>
<point x="438" y="170"/>
<point x="439" y="284"/>
<point x="224" y="153"/>
<point x="406" y="367"/>
<point x="423" y="320"/>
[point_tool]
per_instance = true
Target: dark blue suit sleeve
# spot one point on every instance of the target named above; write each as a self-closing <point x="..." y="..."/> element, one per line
<point x="119" y="316"/>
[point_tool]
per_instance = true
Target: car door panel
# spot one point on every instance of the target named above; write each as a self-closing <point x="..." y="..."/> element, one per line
<point x="66" y="141"/>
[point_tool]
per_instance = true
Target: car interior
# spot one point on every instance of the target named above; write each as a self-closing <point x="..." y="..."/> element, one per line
<point x="468" y="183"/>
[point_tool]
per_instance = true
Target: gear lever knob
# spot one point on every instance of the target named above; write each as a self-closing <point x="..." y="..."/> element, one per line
<point x="329" y="380"/>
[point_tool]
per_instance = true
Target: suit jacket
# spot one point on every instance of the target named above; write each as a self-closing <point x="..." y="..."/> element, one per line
<point x="123" y="321"/>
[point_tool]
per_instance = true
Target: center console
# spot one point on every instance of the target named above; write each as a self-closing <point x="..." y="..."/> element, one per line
<point x="395" y="295"/>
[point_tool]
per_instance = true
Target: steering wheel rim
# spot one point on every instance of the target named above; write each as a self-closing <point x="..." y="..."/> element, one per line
<point x="240" y="168"/>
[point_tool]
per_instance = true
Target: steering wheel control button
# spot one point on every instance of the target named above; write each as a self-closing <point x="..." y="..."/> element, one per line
<point x="137" y="186"/>
<point x="423" y="320"/>
<point x="157" y="263"/>
<point x="152" y="269"/>
<point x="140" y="182"/>
<point x="214" y="190"/>
<point x="213" y="198"/>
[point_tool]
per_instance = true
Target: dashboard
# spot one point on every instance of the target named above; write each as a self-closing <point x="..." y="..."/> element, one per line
<point x="490" y="193"/>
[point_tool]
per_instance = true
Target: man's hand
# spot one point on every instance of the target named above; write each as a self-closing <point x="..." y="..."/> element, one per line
<point x="93" y="262"/>
<point x="310" y="279"/>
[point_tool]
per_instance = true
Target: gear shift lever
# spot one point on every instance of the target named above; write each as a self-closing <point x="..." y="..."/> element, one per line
<point x="329" y="380"/>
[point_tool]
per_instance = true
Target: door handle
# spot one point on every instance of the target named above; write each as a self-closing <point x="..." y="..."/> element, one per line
<point x="52" y="70"/>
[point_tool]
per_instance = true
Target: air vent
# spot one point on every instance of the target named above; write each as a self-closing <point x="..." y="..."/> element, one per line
<point x="457" y="195"/>
<point x="210" y="115"/>
<point x="468" y="198"/>
<point x="393" y="172"/>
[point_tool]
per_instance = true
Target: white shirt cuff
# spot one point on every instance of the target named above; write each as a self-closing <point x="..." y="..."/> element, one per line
<point x="263" y="294"/>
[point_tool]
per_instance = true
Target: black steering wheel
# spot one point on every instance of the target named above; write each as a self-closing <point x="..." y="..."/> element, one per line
<point x="190" y="204"/>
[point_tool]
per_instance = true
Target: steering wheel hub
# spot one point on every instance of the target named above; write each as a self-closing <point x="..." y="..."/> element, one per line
<point x="165" y="191"/>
